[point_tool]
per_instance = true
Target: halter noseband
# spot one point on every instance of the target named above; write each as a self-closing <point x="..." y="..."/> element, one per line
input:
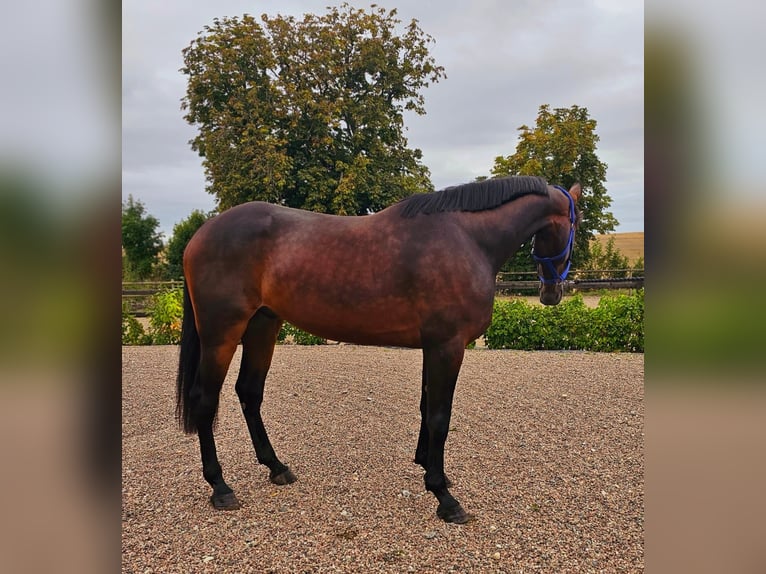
<point x="548" y="262"/>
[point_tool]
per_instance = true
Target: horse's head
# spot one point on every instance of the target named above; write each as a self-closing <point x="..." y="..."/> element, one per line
<point x="553" y="244"/>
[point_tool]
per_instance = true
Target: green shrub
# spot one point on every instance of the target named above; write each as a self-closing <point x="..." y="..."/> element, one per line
<point x="299" y="336"/>
<point x="283" y="332"/>
<point x="519" y="325"/>
<point x="615" y="325"/>
<point x="132" y="331"/>
<point x="165" y="317"/>
<point x="512" y="325"/>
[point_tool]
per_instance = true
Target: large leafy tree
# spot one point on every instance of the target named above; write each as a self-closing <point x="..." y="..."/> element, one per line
<point x="561" y="147"/>
<point x="182" y="233"/>
<point x="141" y="242"/>
<point x="309" y="113"/>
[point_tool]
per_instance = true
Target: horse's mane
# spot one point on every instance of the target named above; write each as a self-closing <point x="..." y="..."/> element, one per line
<point x="476" y="196"/>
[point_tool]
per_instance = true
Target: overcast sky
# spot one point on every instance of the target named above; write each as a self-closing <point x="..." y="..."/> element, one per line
<point x="503" y="59"/>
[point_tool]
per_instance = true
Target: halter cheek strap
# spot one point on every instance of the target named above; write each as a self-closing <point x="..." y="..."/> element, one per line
<point x="549" y="262"/>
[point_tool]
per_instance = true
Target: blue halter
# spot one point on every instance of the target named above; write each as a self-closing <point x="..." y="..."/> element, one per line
<point x="548" y="262"/>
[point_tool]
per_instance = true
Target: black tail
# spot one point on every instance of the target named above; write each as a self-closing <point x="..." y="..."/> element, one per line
<point x="188" y="364"/>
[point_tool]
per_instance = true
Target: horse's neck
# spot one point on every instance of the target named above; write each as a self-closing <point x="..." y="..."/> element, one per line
<point x="501" y="231"/>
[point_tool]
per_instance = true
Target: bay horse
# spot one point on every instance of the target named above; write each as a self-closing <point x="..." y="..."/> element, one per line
<point x="419" y="274"/>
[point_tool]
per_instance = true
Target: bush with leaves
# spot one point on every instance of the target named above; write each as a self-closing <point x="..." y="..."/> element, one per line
<point x="166" y="316"/>
<point x="132" y="331"/>
<point x="298" y="336"/>
<point x="616" y="324"/>
<point x="519" y="325"/>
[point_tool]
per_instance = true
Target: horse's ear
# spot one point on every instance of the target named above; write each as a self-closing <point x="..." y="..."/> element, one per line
<point x="575" y="191"/>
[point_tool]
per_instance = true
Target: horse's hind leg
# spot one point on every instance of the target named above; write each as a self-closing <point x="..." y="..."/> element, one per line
<point x="257" y="350"/>
<point x="214" y="363"/>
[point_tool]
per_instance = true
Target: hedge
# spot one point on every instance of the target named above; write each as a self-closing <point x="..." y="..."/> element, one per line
<point x="616" y="324"/>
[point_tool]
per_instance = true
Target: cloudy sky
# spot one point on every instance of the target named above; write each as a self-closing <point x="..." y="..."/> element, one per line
<point x="502" y="58"/>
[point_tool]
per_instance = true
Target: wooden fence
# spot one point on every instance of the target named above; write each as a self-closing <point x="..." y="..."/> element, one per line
<point x="136" y="296"/>
<point x="586" y="280"/>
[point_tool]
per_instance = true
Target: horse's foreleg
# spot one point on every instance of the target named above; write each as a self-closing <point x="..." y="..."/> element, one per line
<point x="441" y="365"/>
<point x="421" y="452"/>
<point x="257" y="351"/>
<point x="214" y="362"/>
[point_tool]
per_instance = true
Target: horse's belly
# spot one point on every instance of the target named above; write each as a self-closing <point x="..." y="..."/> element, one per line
<point x="373" y="323"/>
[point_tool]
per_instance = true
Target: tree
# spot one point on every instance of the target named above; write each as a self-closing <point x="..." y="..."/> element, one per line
<point x="605" y="258"/>
<point x="182" y="233"/>
<point x="309" y="113"/>
<point x="562" y="148"/>
<point x="140" y="240"/>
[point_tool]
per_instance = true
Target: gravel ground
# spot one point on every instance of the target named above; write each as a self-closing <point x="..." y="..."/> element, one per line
<point x="545" y="449"/>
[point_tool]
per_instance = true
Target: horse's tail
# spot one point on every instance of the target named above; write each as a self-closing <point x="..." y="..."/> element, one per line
<point x="188" y="364"/>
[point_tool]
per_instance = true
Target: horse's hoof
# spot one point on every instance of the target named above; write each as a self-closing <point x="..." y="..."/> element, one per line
<point x="454" y="514"/>
<point x="225" y="501"/>
<point x="284" y="477"/>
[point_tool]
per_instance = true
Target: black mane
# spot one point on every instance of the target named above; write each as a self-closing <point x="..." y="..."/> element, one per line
<point x="476" y="196"/>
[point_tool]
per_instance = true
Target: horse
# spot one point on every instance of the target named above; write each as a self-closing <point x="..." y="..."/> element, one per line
<point x="418" y="274"/>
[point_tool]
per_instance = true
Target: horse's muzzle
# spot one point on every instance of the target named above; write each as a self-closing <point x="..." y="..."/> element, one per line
<point x="551" y="293"/>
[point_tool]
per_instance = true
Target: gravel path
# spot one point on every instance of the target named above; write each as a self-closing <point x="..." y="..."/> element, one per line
<point x="545" y="448"/>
